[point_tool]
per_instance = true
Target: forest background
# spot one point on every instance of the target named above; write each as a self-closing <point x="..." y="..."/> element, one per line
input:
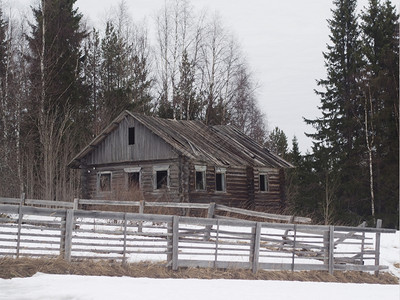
<point x="61" y="82"/>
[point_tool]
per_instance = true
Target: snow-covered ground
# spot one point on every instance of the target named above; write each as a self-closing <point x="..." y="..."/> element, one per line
<point x="72" y="287"/>
<point x="63" y="287"/>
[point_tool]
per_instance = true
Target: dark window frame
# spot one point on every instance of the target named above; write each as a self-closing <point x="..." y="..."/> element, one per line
<point x="157" y="171"/>
<point x="263" y="183"/>
<point x="200" y="183"/>
<point x="104" y="182"/>
<point x="161" y="179"/>
<point x="131" y="136"/>
<point x="132" y="182"/>
<point x="220" y="180"/>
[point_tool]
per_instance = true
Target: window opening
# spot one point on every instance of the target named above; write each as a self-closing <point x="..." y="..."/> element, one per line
<point x="200" y="180"/>
<point x="133" y="180"/>
<point x="263" y="183"/>
<point x="131" y="135"/>
<point x="162" y="179"/>
<point x="105" y="182"/>
<point x="220" y="182"/>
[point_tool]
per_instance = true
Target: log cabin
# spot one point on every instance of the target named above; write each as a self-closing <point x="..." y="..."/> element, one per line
<point x="180" y="160"/>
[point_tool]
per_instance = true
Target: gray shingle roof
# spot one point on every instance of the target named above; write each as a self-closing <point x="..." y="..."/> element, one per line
<point x="221" y="145"/>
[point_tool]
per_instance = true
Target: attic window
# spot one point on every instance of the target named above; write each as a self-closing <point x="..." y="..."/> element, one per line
<point x="131" y="136"/>
<point x="264" y="186"/>
<point x="220" y="179"/>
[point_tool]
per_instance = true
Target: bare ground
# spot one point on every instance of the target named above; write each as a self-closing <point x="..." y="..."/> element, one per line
<point x="26" y="267"/>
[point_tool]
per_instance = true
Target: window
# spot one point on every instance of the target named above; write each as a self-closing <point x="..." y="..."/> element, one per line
<point x="133" y="177"/>
<point x="133" y="180"/>
<point x="220" y="179"/>
<point x="131" y="135"/>
<point x="200" y="177"/>
<point x="264" y="183"/>
<point x="104" y="182"/>
<point x="161" y="177"/>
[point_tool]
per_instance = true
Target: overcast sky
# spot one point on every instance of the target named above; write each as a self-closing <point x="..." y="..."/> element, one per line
<point x="282" y="40"/>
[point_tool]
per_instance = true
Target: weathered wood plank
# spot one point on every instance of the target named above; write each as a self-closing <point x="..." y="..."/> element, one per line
<point x="49" y="203"/>
<point x="175" y="242"/>
<point x="331" y="249"/>
<point x="256" y="247"/>
<point x="69" y="225"/>
<point x="261" y="214"/>
<point x="10" y="200"/>
<point x="20" y="216"/>
<point x="377" y="245"/>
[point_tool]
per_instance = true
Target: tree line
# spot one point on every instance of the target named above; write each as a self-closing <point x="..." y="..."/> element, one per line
<point x="352" y="172"/>
<point x="62" y="82"/>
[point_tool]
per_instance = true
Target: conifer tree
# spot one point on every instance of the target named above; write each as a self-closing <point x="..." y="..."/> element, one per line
<point x="188" y="106"/>
<point x="337" y="136"/>
<point x="114" y="72"/>
<point x="381" y="95"/>
<point x="92" y="80"/>
<point x="277" y="142"/>
<point x="55" y="71"/>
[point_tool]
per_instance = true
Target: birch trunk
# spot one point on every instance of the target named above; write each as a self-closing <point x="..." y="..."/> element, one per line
<point x="369" y="141"/>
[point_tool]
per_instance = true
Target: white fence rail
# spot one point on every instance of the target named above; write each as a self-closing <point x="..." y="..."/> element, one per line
<point x="185" y="241"/>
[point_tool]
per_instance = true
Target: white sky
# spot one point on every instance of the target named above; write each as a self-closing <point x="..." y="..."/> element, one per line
<point x="282" y="40"/>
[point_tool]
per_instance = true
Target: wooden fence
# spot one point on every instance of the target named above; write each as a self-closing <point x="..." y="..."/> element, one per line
<point x="213" y="210"/>
<point x="186" y="241"/>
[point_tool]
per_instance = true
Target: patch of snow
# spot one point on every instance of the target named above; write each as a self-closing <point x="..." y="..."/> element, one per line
<point x="63" y="287"/>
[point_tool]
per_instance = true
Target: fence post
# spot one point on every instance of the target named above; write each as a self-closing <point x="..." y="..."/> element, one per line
<point x="69" y="226"/>
<point x="216" y="245"/>
<point x="362" y="225"/>
<point x="20" y="216"/>
<point x="76" y="204"/>
<point x="141" y="211"/>
<point x="22" y="200"/>
<point x="62" y="235"/>
<point x="124" y="249"/>
<point x="294" y="245"/>
<point x="210" y="215"/>
<point x="169" y="242"/>
<point x="256" y="247"/>
<point x="377" y="245"/>
<point x="331" y="249"/>
<point x="175" y="242"/>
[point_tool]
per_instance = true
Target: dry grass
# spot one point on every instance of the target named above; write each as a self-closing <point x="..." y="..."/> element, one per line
<point x="397" y="265"/>
<point x="26" y="267"/>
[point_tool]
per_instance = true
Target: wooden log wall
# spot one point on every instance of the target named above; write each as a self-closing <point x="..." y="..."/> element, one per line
<point x="271" y="199"/>
<point x="119" y="182"/>
<point x="242" y="188"/>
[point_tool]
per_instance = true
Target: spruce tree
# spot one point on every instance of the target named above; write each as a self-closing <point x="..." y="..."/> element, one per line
<point x="114" y="72"/>
<point x="277" y="142"/>
<point x="380" y="91"/>
<point x="55" y="41"/>
<point x="57" y="107"/>
<point x="337" y="136"/>
<point x="188" y="105"/>
<point x="92" y="80"/>
<point x="140" y="85"/>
